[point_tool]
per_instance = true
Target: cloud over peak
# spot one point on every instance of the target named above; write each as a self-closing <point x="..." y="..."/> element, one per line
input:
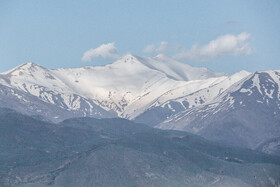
<point x="224" y="45"/>
<point x="149" y="49"/>
<point x="162" y="48"/>
<point x="106" y="51"/>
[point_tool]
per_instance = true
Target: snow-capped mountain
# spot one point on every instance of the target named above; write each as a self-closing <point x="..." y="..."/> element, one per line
<point x="246" y="114"/>
<point x="127" y="87"/>
<point x="240" y="109"/>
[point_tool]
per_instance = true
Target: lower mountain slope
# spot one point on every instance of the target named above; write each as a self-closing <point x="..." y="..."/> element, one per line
<point x="118" y="152"/>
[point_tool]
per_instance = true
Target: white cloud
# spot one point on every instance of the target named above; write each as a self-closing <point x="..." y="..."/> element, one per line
<point x="162" y="48"/>
<point x="223" y="46"/>
<point x="149" y="49"/>
<point x="106" y="51"/>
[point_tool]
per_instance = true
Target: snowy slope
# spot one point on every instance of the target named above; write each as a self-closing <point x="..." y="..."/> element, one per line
<point x="190" y="95"/>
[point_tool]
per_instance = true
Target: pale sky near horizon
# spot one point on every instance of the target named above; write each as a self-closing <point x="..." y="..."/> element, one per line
<point x="224" y="36"/>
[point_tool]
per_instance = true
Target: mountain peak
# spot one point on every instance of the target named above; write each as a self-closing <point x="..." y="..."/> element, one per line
<point x="128" y="57"/>
<point x="29" y="69"/>
<point x="30" y="64"/>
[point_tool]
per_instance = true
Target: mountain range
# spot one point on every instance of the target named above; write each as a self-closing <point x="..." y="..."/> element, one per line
<point x="125" y="88"/>
<point x="240" y="109"/>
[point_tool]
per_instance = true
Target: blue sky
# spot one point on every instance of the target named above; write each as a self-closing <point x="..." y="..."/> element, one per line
<point x="225" y="36"/>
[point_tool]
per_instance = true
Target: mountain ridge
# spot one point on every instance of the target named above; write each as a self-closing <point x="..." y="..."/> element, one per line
<point x="113" y="86"/>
